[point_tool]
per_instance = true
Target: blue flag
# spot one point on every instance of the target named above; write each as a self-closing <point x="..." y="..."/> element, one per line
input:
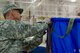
<point x="71" y="42"/>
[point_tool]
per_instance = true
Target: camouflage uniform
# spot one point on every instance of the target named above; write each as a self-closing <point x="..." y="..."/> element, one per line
<point x="13" y="34"/>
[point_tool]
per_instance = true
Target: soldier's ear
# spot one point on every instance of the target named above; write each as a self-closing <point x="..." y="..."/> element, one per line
<point x="20" y="16"/>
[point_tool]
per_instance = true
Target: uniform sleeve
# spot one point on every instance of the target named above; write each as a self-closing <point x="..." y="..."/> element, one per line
<point x="19" y="30"/>
<point x="36" y="41"/>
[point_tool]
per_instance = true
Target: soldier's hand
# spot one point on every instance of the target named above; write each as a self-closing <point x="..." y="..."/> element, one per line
<point x="47" y="20"/>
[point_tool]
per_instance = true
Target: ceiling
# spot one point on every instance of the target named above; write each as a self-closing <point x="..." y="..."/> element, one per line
<point x="27" y="3"/>
<point x="46" y="4"/>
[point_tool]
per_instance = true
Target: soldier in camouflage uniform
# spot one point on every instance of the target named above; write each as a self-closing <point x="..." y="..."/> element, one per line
<point x="13" y="31"/>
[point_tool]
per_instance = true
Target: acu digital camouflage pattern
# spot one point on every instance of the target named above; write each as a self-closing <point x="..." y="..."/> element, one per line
<point x="13" y="34"/>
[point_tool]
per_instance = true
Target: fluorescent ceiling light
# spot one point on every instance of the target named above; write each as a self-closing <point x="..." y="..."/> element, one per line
<point x="33" y="1"/>
<point x="73" y="0"/>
